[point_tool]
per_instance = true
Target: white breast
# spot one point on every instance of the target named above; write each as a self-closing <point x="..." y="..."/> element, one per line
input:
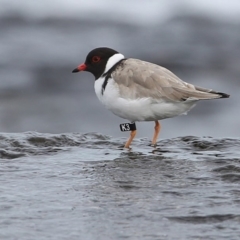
<point x="124" y="108"/>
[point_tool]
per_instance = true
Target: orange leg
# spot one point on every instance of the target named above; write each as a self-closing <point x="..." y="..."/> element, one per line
<point x="132" y="135"/>
<point x="156" y="132"/>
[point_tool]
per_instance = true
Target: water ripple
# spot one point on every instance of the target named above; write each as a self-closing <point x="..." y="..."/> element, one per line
<point x="206" y="219"/>
<point x="54" y="183"/>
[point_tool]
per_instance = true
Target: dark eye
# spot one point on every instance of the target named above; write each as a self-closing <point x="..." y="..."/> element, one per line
<point x="96" y="59"/>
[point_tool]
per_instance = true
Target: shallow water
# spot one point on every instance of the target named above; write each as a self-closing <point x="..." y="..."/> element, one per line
<point x="86" y="186"/>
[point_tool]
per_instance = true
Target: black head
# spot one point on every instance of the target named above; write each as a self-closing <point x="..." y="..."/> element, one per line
<point x="96" y="61"/>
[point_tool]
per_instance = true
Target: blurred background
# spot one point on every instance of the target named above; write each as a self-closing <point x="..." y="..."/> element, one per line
<point x="43" y="41"/>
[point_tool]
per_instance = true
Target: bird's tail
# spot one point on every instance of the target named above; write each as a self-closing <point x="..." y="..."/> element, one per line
<point x="212" y="94"/>
<point x="221" y="95"/>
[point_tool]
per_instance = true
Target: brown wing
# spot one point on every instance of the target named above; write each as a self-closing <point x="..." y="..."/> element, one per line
<point x="139" y="79"/>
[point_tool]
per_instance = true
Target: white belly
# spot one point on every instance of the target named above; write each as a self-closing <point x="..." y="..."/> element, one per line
<point x="142" y="109"/>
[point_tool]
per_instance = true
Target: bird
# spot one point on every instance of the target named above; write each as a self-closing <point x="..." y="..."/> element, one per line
<point x="137" y="90"/>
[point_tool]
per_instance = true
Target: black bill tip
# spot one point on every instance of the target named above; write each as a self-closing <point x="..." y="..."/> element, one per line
<point x="75" y="70"/>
